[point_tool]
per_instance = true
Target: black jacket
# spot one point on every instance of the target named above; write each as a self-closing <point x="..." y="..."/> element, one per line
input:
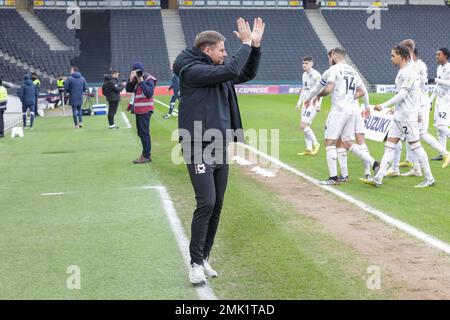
<point x="111" y="89"/>
<point x="207" y="91"/>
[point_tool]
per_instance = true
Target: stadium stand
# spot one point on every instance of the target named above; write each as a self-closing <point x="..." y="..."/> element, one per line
<point x="370" y="49"/>
<point x="14" y="74"/>
<point x="95" y="45"/>
<point x="55" y="20"/>
<point x="288" y="38"/>
<point x="142" y="41"/>
<point x="10" y="72"/>
<point x="115" y="42"/>
<point x="20" y="41"/>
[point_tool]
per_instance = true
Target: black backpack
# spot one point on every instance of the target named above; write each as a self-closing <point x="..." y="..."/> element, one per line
<point x="106" y="89"/>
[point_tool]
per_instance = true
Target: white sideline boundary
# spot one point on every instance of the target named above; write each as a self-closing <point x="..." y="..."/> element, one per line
<point x="175" y="111"/>
<point x="52" y="194"/>
<point x="205" y="292"/>
<point x="125" y="119"/>
<point x="412" y="231"/>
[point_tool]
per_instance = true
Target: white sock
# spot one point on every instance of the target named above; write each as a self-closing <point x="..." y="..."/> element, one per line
<point x="432" y="141"/>
<point x="442" y="138"/>
<point x="445" y="131"/>
<point x="388" y="156"/>
<point x="331" y="160"/>
<point x="397" y="156"/>
<point x="361" y="153"/>
<point x="308" y="144"/>
<point x="367" y="165"/>
<point x="409" y="156"/>
<point x="416" y="163"/>
<point x="310" y="135"/>
<point x="342" y="159"/>
<point x="423" y="159"/>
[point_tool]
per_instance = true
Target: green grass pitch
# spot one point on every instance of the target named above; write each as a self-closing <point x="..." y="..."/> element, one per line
<point x="120" y="237"/>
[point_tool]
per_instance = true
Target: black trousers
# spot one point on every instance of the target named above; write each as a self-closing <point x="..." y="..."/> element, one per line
<point x="112" y="111"/>
<point x="143" y="131"/>
<point x="2" y="123"/>
<point x="210" y="183"/>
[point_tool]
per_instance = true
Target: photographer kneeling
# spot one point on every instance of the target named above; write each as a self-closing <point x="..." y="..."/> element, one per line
<point x="142" y="86"/>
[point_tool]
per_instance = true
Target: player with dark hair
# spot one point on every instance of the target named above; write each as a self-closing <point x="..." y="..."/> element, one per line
<point x="310" y="79"/>
<point x="406" y="118"/>
<point x="442" y="95"/>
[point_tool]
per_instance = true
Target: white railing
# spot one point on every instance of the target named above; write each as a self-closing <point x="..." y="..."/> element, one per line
<point x="95" y="4"/>
<point x="241" y="3"/>
<point x="360" y="3"/>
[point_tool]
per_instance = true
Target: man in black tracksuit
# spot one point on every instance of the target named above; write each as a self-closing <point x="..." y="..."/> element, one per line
<point x="111" y="90"/>
<point x="208" y="101"/>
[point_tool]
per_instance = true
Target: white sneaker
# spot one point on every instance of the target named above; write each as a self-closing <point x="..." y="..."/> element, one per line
<point x="374" y="182"/>
<point x="426" y="183"/>
<point x="392" y="173"/>
<point x="197" y="275"/>
<point x="412" y="173"/>
<point x="209" y="271"/>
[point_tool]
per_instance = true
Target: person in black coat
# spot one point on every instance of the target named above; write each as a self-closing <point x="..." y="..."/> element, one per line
<point x="208" y="105"/>
<point x="111" y="90"/>
<point x="28" y="94"/>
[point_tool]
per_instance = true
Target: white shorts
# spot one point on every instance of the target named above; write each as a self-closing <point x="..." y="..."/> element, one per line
<point x="340" y="125"/>
<point x="359" y="123"/>
<point x="404" y="130"/>
<point x="425" y="123"/>
<point x="442" y="114"/>
<point x="308" y="114"/>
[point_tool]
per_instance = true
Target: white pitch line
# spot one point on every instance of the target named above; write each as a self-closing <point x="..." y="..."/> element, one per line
<point x="204" y="292"/>
<point x="52" y="194"/>
<point x="125" y="118"/>
<point x="175" y="111"/>
<point x="412" y="231"/>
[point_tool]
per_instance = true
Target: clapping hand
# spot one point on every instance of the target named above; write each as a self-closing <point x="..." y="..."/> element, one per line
<point x="257" y="32"/>
<point x="244" y="32"/>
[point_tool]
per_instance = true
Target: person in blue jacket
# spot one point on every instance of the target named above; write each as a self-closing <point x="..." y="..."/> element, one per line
<point x="75" y="86"/>
<point x="28" y="95"/>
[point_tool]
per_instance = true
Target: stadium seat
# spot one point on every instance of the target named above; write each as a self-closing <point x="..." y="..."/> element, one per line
<point x="289" y="37"/>
<point x="370" y="49"/>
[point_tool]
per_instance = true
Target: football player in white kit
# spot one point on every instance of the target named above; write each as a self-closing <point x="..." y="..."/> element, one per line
<point x="406" y="118"/>
<point x="342" y="83"/>
<point x="442" y="95"/>
<point x="422" y="74"/>
<point x="360" y="132"/>
<point x="310" y="79"/>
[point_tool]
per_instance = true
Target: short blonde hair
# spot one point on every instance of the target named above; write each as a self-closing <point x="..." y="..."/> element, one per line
<point x="207" y="38"/>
